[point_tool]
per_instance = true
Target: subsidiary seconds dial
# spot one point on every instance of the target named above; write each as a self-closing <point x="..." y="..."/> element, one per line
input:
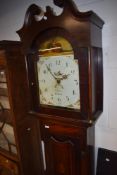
<point x="59" y="81"/>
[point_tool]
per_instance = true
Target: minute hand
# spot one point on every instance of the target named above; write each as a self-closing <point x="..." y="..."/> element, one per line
<point x="58" y="81"/>
<point x="51" y="72"/>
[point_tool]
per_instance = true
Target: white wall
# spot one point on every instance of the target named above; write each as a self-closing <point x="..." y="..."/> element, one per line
<point x="11" y="19"/>
<point x="106" y="127"/>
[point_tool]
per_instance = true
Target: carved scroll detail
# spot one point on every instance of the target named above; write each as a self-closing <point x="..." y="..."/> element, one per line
<point x="38" y="20"/>
<point x="35" y="13"/>
<point x="31" y="14"/>
<point x="66" y="4"/>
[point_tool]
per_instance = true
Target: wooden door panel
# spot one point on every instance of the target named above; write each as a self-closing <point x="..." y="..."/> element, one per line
<point x="30" y="147"/>
<point x="62" y="156"/>
<point x="63" y="146"/>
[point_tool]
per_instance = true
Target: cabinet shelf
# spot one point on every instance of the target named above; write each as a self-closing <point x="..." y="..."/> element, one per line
<point x="5" y="82"/>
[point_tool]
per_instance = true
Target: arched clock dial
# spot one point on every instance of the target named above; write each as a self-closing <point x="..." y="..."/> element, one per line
<point x="58" y="74"/>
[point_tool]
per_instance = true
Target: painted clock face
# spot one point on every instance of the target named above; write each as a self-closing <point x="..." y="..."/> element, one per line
<point x="58" y="74"/>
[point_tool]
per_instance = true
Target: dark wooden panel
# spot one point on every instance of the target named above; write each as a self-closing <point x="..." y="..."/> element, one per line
<point x="65" y="150"/>
<point x="97" y="79"/>
<point x="30" y="147"/>
<point x="62" y="156"/>
<point x="107" y="162"/>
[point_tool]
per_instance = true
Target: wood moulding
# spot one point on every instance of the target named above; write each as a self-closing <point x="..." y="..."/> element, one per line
<point x="37" y="20"/>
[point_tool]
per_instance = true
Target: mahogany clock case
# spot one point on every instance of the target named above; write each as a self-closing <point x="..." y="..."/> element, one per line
<point x="83" y="31"/>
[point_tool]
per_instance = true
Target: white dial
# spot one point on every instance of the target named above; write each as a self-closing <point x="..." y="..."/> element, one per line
<point x="59" y="81"/>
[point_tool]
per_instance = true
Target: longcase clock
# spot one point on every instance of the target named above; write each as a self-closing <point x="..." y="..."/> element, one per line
<point x="65" y="84"/>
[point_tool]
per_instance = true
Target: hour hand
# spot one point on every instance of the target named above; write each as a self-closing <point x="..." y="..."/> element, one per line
<point x="61" y="76"/>
<point x="65" y="77"/>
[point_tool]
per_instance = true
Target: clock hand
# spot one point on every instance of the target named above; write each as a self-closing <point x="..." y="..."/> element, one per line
<point x="59" y="85"/>
<point x="60" y="76"/>
<point x="57" y="80"/>
<point x="51" y="72"/>
<point x="64" y="77"/>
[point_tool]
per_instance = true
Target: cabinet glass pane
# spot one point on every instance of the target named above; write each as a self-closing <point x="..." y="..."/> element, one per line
<point x="7" y="138"/>
<point x="2" y="76"/>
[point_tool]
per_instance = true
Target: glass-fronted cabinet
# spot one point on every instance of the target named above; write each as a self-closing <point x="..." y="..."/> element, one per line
<point x="18" y="134"/>
<point x="9" y="155"/>
<point x="7" y="138"/>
